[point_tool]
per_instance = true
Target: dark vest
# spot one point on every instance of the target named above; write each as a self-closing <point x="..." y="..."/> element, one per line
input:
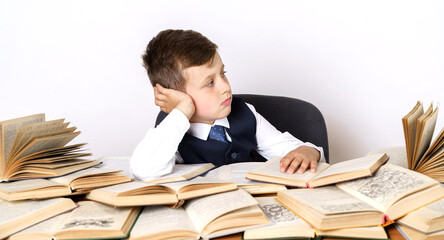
<point x="243" y="140"/>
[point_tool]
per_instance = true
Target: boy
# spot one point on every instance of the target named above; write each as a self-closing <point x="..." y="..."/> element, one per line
<point x="205" y="123"/>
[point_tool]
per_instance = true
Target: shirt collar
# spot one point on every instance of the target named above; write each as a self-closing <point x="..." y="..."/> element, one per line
<point x="202" y="130"/>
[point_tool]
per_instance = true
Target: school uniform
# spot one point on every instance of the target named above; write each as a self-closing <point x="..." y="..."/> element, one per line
<point x="176" y="140"/>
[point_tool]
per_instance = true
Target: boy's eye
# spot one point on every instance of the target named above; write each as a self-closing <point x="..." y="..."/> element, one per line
<point x="210" y="84"/>
<point x="223" y="73"/>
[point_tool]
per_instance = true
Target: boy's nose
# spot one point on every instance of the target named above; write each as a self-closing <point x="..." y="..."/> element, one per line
<point x="225" y="87"/>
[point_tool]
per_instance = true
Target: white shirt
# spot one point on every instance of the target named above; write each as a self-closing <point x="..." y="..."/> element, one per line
<point x="157" y="153"/>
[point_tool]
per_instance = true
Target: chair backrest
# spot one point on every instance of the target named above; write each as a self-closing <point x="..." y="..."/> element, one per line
<point x="300" y="118"/>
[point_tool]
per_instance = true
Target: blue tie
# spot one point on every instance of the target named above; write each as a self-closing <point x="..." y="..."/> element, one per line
<point x="218" y="133"/>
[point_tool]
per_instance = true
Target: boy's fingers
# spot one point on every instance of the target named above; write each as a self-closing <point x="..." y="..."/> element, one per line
<point x="294" y="165"/>
<point x="161" y="89"/>
<point x="303" y="166"/>
<point x="158" y="102"/>
<point x="285" y="162"/>
<point x="314" y="166"/>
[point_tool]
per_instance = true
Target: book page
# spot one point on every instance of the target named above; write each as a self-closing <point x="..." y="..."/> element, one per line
<point x="67" y="179"/>
<point x="389" y="184"/>
<point x="24" y="133"/>
<point x="205" y="209"/>
<point x="235" y="172"/>
<point x="48" y="226"/>
<point x="26" y="185"/>
<point x="44" y="134"/>
<point x="352" y="165"/>
<point x="329" y="200"/>
<point x="425" y="136"/>
<point x="9" y="129"/>
<point x="286" y="224"/>
<point x="121" y="163"/>
<point x="158" y="219"/>
<point x="11" y="211"/>
<point x="272" y="168"/>
<point x="198" y="180"/>
<point x="433" y="152"/>
<point x="409" y="126"/>
<point x="95" y="216"/>
<point x="397" y="155"/>
<point x="120" y="189"/>
<point x="182" y="170"/>
<point x="41" y="144"/>
<point x="278" y="214"/>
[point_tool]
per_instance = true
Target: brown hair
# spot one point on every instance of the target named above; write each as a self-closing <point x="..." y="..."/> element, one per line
<point x="171" y="51"/>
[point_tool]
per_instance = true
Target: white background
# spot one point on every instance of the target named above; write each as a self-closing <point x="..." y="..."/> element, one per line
<point x="364" y="64"/>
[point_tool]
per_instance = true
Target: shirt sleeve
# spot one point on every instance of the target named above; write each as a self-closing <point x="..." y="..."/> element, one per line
<point x="157" y="153"/>
<point x="272" y="142"/>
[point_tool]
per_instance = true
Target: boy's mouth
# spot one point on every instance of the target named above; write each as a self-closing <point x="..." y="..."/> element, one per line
<point x="226" y="102"/>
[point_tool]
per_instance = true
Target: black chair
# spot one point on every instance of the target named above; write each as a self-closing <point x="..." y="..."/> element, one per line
<point x="300" y="118"/>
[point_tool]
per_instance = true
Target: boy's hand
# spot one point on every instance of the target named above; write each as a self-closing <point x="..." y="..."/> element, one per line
<point x="168" y="99"/>
<point x="301" y="158"/>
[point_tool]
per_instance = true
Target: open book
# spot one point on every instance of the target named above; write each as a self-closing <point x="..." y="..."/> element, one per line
<point x="236" y="172"/>
<point x="377" y="200"/>
<point x="15" y="216"/>
<point x="422" y="156"/>
<point x="325" y="174"/>
<point x="90" y="220"/>
<point x="427" y="219"/>
<point x="75" y="183"/>
<point x="180" y="172"/>
<point x="210" y="216"/>
<point x="31" y="147"/>
<point x="414" y="234"/>
<point x="183" y="172"/>
<point x="140" y="193"/>
<point x="287" y="225"/>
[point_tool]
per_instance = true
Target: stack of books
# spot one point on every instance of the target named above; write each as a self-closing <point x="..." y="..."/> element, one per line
<point x="424" y="223"/>
<point x="349" y="199"/>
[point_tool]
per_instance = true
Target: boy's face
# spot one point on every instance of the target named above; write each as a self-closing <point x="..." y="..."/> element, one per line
<point x="210" y="90"/>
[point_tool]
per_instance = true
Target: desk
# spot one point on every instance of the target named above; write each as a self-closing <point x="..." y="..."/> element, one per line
<point x="391" y="230"/>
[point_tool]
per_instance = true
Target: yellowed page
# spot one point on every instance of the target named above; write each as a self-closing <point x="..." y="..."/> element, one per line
<point x="42" y="135"/>
<point x="25" y="132"/>
<point x="353" y="165"/>
<point x="48" y="227"/>
<point x="436" y="149"/>
<point x="26" y="185"/>
<point x="176" y="186"/>
<point x="18" y="215"/>
<point x="182" y="172"/>
<point x="205" y="209"/>
<point x="235" y="172"/>
<point x="389" y="184"/>
<point x="121" y="163"/>
<point x="91" y="215"/>
<point x="47" y="143"/>
<point x="67" y="179"/>
<point x="329" y="200"/>
<point x="161" y="219"/>
<point x="8" y="130"/>
<point x="424" y="219"/>
<point x="272" y="168"/>
<point x="428" y="127"/>
<point x="409" y="123"/>
<point x="285" y="223"/>
<point x="355" y="233"/>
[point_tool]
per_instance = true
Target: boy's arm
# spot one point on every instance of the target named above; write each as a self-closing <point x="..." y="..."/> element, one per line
<point x="157" y="153"/>
<point x="271" y="142"/>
